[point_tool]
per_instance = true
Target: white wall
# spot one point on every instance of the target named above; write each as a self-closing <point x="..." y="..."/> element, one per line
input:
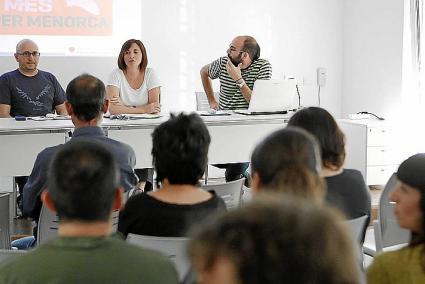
<point x="372" y="60"/>
<point x="181" y="36"/>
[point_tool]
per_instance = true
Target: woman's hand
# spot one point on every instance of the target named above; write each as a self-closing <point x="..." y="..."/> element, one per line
<point x="115" y="100"/>
<point x="152" y="108"/>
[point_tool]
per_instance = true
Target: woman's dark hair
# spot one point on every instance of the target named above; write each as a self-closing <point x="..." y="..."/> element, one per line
<point x="126" y="46"/>
<point x="323" y="126"/>
<point x="180" y="149"/>
<point x="411" y="172"/>
<point x="277" y="239"/>
<point x="289" y="161"/>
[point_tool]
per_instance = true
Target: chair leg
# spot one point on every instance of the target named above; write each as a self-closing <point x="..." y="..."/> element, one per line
<point x="14" y="209"/>
<point x="206" y="175"/>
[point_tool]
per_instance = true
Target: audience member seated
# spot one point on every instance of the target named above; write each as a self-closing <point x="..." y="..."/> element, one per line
<point x="406" y="265"/>
<point x="180" y="152"/>
<point x="86" y="103"/>
<point x="134" y="88"/>
<point x="83" y="189"/>
<point x="288" y="161"/>
<point x="275" y="239"/>
<point x="346" y="188"/>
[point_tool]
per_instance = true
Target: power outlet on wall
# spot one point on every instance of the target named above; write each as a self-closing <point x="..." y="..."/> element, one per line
<point x="298" y="79"/>
<point x="321" y="76"/>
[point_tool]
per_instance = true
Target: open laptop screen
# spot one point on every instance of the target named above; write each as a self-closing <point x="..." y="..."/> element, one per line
<point x="271" y="96"/>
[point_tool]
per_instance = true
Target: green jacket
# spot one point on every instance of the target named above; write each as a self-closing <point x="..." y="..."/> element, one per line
<point x="401" y="266"/>
<point x="88" y="260"/>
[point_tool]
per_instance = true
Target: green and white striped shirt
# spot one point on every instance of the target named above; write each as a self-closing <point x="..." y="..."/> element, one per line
<point x="230" y="94"/>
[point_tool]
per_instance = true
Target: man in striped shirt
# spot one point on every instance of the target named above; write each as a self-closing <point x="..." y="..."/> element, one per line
<point x="237" y="73"/>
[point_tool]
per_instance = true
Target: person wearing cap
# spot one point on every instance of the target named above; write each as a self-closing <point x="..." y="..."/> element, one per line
<point x="406" y="265"/>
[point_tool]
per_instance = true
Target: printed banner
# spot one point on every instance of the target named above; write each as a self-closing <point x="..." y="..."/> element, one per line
<point x="56" y="17"/>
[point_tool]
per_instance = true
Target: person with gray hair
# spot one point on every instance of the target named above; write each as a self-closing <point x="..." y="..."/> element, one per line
<point x="86" y="103"/>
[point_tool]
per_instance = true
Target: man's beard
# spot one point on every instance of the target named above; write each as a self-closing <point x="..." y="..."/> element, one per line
<point x="236" y="61"/>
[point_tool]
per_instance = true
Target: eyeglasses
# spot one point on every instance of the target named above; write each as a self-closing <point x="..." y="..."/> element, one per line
<point x="233" y="49"/>
<point x="28" y="54"/>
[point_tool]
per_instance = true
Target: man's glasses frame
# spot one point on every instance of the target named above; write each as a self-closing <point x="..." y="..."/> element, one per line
<point x="233" y="49"/>
<point x="28" y="54"/>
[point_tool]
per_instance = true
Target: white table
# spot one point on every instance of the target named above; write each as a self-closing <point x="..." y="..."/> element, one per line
<point x="233" y="138"/>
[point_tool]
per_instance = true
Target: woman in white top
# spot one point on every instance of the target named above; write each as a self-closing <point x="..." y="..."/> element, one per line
<point x="132" y="87"/>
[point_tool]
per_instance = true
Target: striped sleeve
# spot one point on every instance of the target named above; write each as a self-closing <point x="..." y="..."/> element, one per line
<point x="214" y="69"/>
<point x="265" y="72"/>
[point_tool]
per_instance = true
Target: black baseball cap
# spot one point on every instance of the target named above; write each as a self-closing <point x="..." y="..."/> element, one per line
<point x="412" y="171"/>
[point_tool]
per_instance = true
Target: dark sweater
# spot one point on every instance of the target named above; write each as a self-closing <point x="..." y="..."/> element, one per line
<point x="349" y="193"/>
<point x="146" y="215"/>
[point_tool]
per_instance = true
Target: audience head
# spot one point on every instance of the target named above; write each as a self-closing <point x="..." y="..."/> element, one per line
<point x="409" y="196"/>
<point x="275" y="239"/>
<point x="83" y="181"/>
<point x="133" y="47"/>
<point x="180" y="149"/>
<point x="323" y="126"/>
<point x="27" y="56"/>
<point x="288" y="161"/>
<point x="85" y="96"/>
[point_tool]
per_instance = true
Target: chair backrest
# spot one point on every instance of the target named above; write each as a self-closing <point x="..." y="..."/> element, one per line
<point x="114" y="218"/>
<point x="4" y="221"/>
<point x="388" y="232"/>
<point x="48" y="225"/>
<point x="202" y="101"/>
<point x="174" y="248"/>
<point x="230" y="192"/>
<point x="357" y="228"/>
<point x="6" y="254"/>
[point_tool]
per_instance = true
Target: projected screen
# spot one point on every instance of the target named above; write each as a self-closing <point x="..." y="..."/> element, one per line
<point x="70" y="27"/>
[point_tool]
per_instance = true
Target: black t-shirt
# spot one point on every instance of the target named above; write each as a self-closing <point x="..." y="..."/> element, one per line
<point x="349" y="193"/>
<point x="146" y="215"/>
<point x="30" y="96"/>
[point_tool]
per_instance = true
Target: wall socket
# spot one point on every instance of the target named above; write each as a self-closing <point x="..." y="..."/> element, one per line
<point x="298" y="79"/>
<point x="321" y="76"/>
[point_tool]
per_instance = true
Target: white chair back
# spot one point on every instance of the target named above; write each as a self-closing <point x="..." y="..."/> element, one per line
<point x="202" y="101"/>
<point x="174" y="248"/>
<point x="230" y="192"/>
<point x="387" y="232"/>
<point x="357" y="228"/>
<point x="48" y="225"/>
<point x="390" y="232"/>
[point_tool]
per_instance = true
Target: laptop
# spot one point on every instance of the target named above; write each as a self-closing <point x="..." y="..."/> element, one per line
<point x="271" y="97"/>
